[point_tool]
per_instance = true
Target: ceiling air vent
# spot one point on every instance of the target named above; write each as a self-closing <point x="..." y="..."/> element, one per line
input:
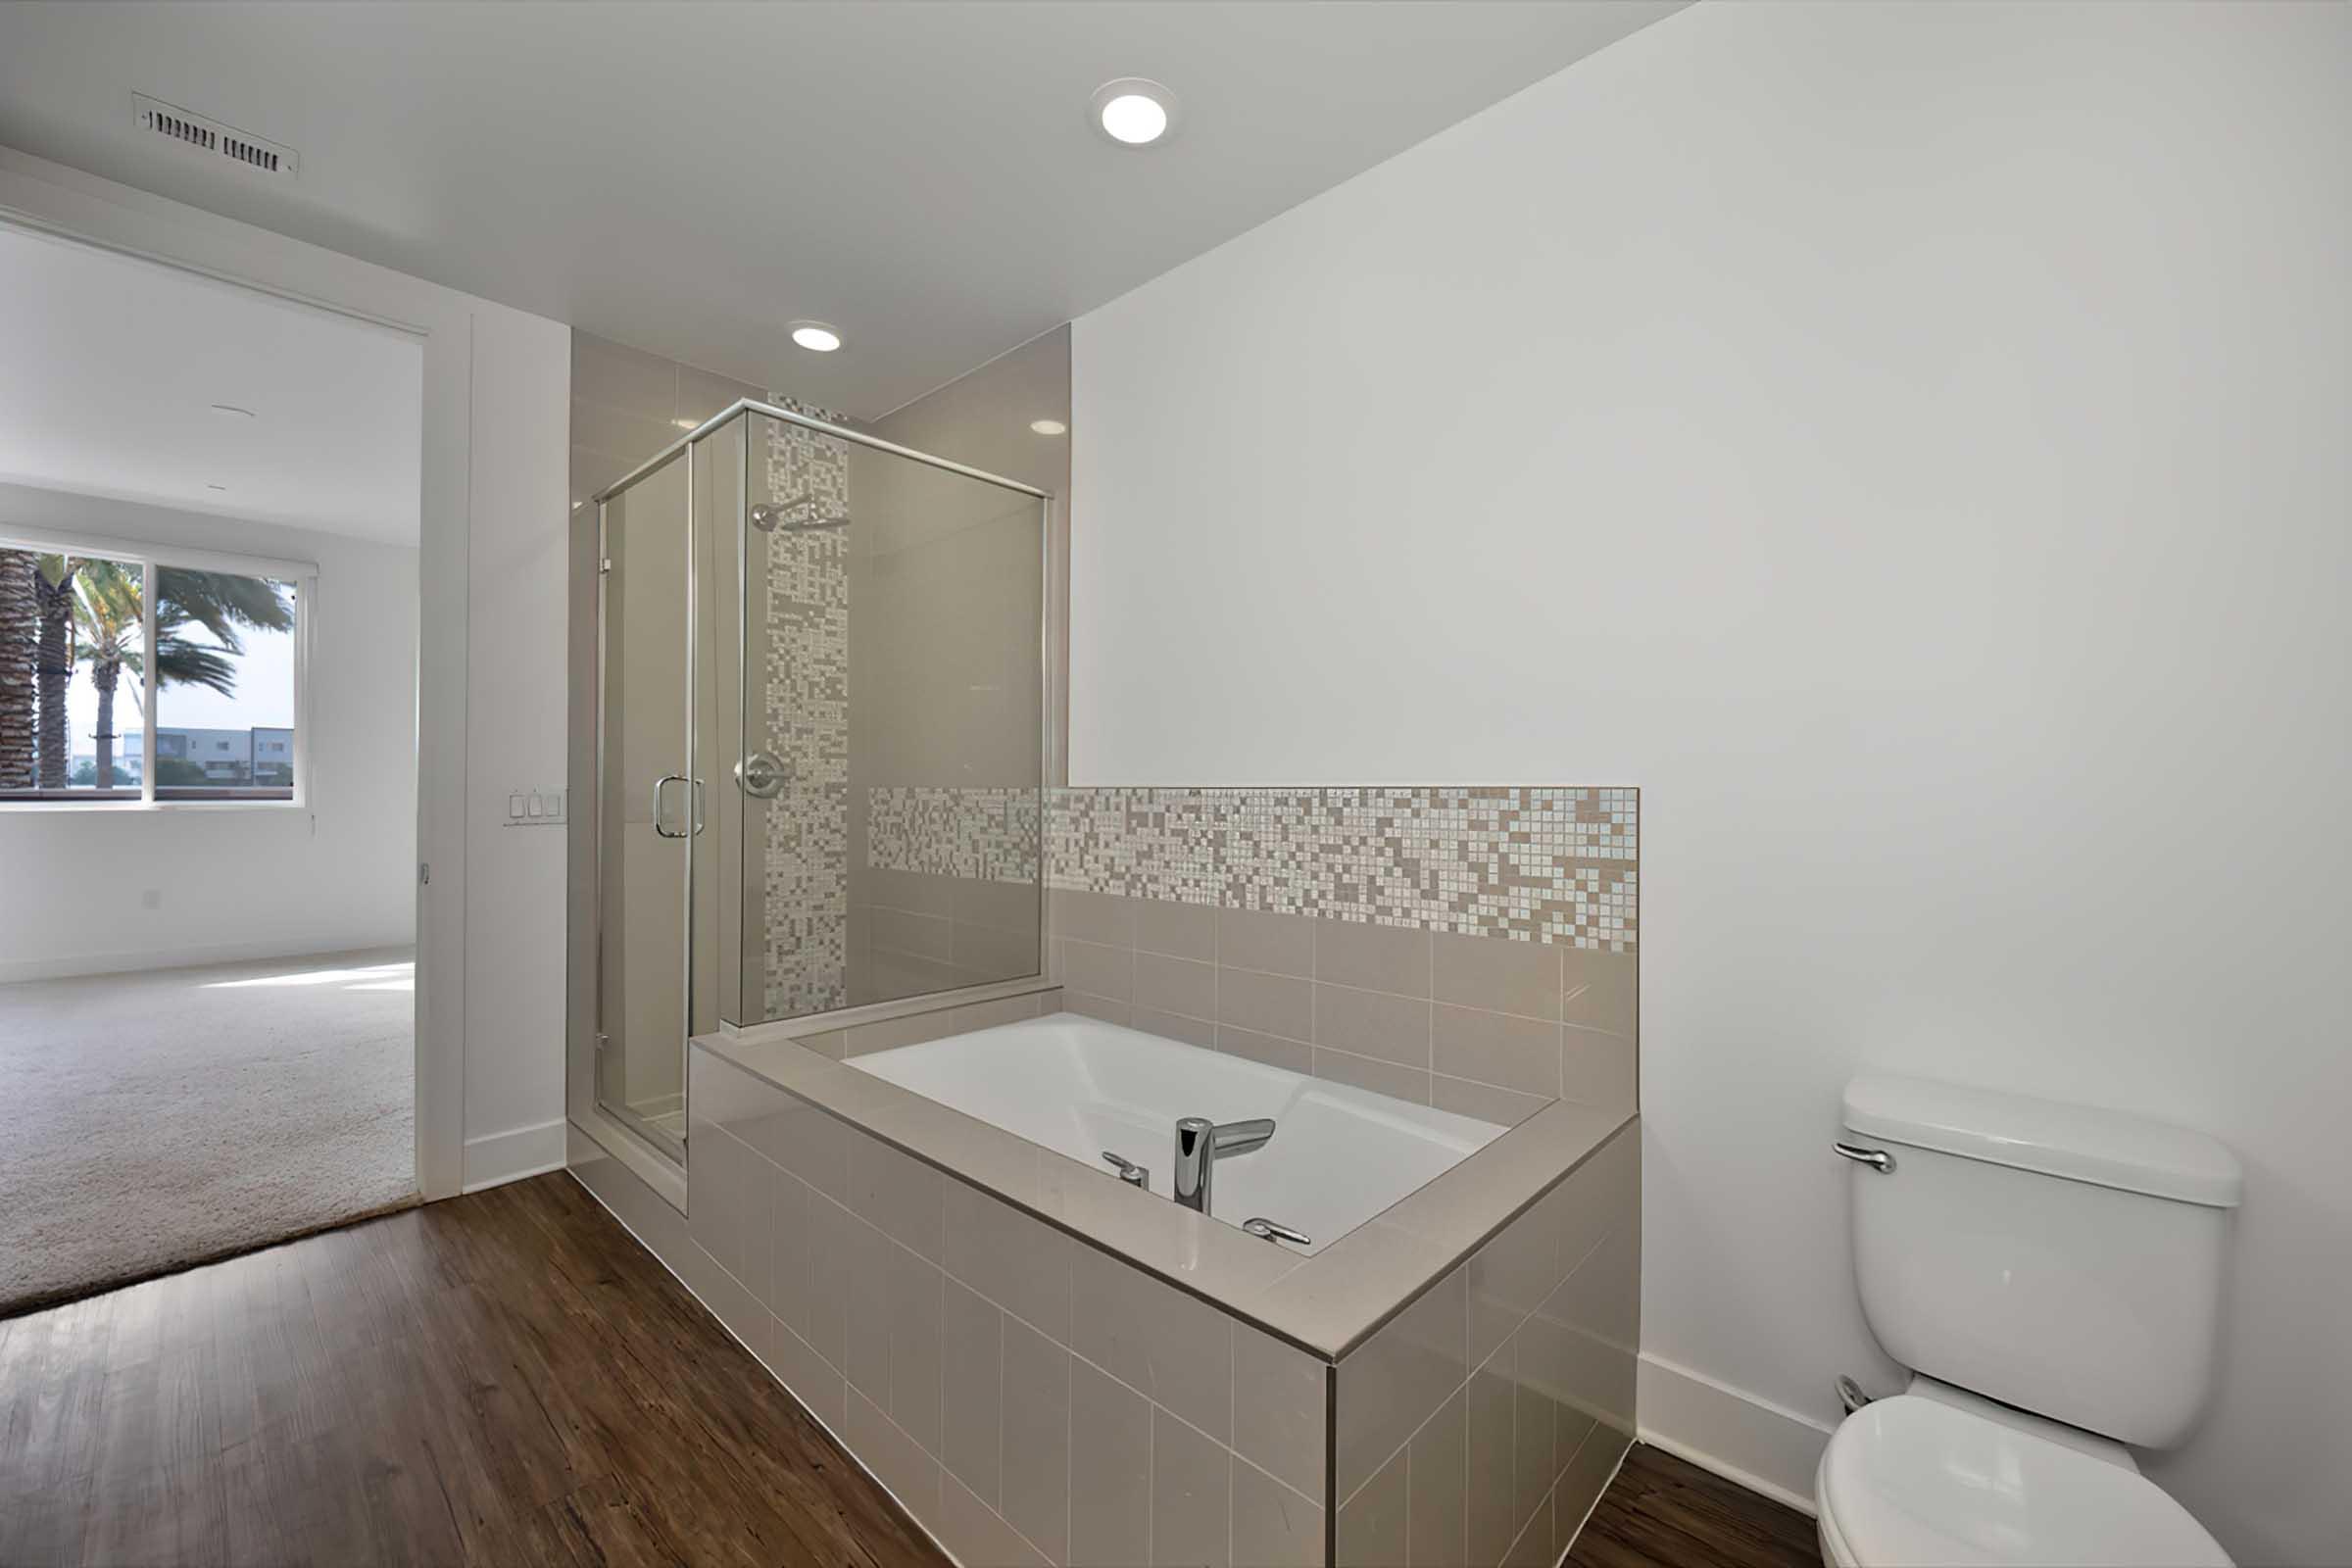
<point x="212" y="137"/>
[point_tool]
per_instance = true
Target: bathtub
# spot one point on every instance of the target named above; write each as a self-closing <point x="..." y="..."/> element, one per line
<point x="1338" y="1156"/>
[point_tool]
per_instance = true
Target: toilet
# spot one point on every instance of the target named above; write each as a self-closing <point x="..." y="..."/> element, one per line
<point x="2051" y="1275"/>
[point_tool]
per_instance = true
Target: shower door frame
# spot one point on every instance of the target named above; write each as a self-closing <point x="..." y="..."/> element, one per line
<point x="1048" y="746"/>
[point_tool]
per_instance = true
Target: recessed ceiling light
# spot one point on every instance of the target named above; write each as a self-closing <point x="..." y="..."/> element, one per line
<point x="1134" y="111"/>
<point x="233" y="411"/>
<point x="815" y="336"/>
<point x="1048" y="428"/>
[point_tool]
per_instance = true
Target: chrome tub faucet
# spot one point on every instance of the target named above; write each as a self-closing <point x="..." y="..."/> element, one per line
<point x="1199" y="1143"/>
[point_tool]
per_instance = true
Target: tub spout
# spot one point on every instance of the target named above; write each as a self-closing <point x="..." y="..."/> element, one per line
<point x="1199" y="1143"/>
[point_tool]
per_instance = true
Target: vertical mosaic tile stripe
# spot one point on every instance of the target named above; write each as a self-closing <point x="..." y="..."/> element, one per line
<point x="805" y="683"/>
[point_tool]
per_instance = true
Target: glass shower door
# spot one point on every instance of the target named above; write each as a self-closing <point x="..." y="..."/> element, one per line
<point x="648" y="805"/>
<point x="819" y="710"/>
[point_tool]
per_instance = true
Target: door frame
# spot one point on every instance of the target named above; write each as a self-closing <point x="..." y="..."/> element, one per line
<point x="68" y="205"/>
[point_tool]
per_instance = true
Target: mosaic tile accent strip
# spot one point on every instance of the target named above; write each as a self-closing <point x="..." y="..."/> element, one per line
<point x="985" y="834"/>
<point x="1179" y="839"/>
<point x="1086" y="847"/>
<point x="805" y="868"/>
<point x="1525" y="862"/>
<point x="1273" y="860"/>
<point x="1539" y="865"/>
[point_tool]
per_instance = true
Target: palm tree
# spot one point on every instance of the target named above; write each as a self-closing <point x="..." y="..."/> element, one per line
<point x="53" y="593"/>
<point x="109" y="637"/>
<point x="219" y="602"/>
<point x="19" y="614"/>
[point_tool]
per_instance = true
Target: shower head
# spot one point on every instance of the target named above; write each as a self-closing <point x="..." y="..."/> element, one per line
<point x="769" y="518"/>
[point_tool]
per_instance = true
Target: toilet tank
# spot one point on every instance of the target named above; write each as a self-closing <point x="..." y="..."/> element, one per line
<point x="2055" y="1257"/>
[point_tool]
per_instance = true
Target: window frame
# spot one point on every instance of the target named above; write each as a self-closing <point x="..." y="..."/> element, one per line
<point x="153" y="559"/>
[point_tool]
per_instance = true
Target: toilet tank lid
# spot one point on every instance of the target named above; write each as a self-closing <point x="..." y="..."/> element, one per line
<point x="2080" y="1143"/>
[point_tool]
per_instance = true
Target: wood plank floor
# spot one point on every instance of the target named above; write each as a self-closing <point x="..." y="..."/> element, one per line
<point x="505" y="1378"/>
<point x="1664" y="1512"/>
<point x="509" y="1379"/>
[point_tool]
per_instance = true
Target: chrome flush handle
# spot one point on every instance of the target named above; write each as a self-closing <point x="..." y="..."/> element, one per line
<point x="1877" y="1159"/>
<point x="1130" y="1172"/>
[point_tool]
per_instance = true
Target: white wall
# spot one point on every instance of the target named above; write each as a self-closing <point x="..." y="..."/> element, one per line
<point x="489" y="980"/>
<point x="1911" y="443"/>
<point x="240" y="882"/>
<point x="517" y="591"/>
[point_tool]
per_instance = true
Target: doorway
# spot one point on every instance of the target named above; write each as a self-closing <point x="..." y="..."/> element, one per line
<point x="209" y="611"/>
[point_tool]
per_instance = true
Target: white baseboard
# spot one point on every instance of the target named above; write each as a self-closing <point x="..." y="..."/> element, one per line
<point x="495" y="1158"/>
<point x="87" y="963"/>
<point x="1739" y="1437"/>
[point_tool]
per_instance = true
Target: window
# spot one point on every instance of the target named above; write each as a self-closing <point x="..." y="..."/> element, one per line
<point x="224" y="653"/>
<point x="80" y="724"/>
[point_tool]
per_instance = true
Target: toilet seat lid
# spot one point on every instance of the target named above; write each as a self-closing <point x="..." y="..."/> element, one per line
<point x="1915" y="1481"/>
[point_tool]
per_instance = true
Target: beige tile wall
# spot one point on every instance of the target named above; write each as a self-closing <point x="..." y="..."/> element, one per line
<point x="626" y="405"/>
<point x="935" y="1025"/>
<point x="1028" y="1398"/>
<point x="913" y="932"/>
<point x="1479" y="1426"/>
<point x="1486" y="1026"/>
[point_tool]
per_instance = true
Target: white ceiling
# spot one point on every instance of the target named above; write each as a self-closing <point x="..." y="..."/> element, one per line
<point x="108" y="367"/>
<point x="688" y="178"/>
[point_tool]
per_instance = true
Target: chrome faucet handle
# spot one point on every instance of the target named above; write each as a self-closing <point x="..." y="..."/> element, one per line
<point x="1267" y="1230"/>
<point x="1130" y="1172"/>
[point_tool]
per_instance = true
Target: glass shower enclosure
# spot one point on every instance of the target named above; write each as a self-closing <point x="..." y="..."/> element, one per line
<point x="820" y="719"/>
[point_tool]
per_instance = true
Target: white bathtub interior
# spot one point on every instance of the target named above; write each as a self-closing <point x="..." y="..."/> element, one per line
<point x="1079" y="1086"/>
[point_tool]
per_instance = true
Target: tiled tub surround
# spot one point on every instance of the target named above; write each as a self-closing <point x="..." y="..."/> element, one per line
<point x="1482" y="1424"/>
<point x="1453" y="1022"/>
<point x="1469" y="949"/>
<point x="948" y="891"/>
<point x="912" y="933"/>
<point x="1045" y="1364"/>
<point x="1485" y="1026"/>
<point x="1027" y="1399"/>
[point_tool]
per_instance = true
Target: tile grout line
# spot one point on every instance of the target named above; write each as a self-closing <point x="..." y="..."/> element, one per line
<point x="1471" y="1376"/>
<point x="1180" y="1420"/>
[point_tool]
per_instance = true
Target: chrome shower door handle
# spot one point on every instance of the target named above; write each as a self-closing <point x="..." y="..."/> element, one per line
<point x="660" y="784"/>
<point x="762" y="776"/>
<point x="1877" y="1159"/>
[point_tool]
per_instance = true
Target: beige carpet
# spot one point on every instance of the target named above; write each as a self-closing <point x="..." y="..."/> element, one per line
<point x="155" y="1120"/>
